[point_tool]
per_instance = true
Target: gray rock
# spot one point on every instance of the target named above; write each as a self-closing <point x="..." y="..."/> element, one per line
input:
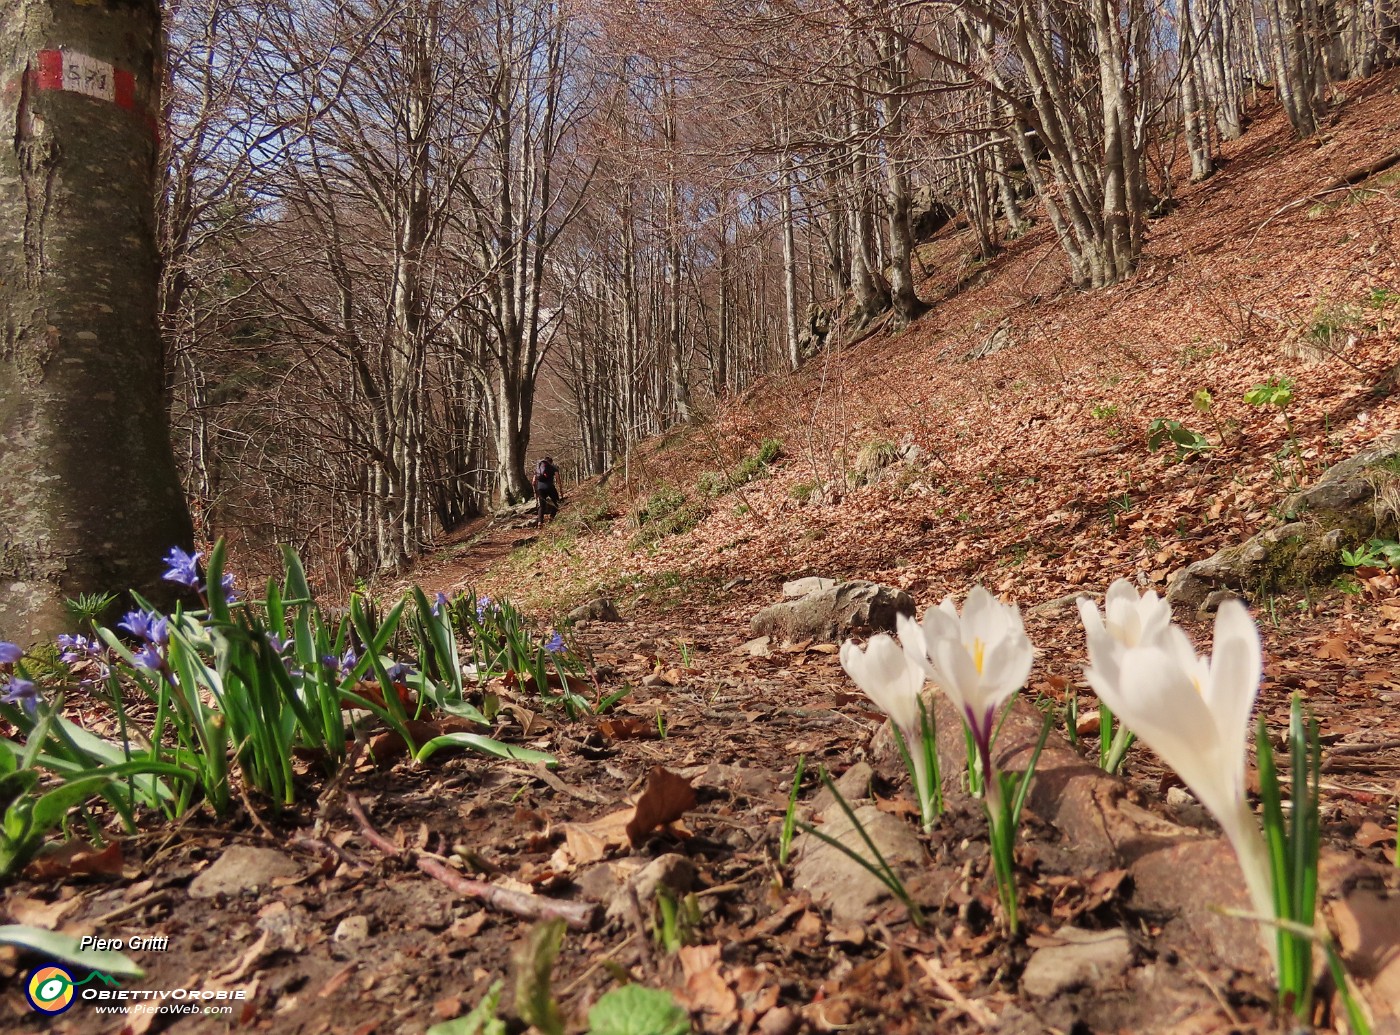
<point x="996" y="341"/>
<point x="911" y="452"/>
<point x="758" y="647"/>
<point x="1217" y="597"/>
<point x="599" y="609"/>
<point x="1349" y="497"/>
<point x="1345" y="485"/>
<point x="1243" y="568"/>
<point x="1089" y="959"/>
<point x="352" y="929"/>
<point x="1187" y="809"/>
<point x="812" y="335"/>
<point x="854" y="786"/>
<point x="1065" y="602"/>
<point x="801" y="587"/>
<point x="929" y="212"/>
<point x="839" y="883"/>
<point x="835" y="613"/>
<point x="241" y="870"/>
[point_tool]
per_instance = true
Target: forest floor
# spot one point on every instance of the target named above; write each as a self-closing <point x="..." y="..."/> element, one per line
<point x="1031" y="476"/>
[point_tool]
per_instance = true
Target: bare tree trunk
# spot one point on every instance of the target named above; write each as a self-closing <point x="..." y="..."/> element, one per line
<point x="1194" y="119"/>
<point x="88" y="486"/>
<point x="789" y="264"/>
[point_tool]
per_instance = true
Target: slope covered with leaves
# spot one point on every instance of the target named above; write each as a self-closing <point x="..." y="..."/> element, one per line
<point x="1032" y="471"/>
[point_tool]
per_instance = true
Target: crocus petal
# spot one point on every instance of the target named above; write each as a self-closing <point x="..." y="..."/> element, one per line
<point x="886" y="676"/>
<point x="1235" y="668"/>
<point x="942" y="622"/>
<point x="1158" y="701"/>
<point x="984" y="619"/>
<point x="957" y="674"/>
<point x="1005" y="668"/>
<point x="915" y="644"/>
<point x="1089" y="615"/>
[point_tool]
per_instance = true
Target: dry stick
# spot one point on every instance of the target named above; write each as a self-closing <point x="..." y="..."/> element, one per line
<point x="578" y="915"/>
<point x="373" y="836"/>
<point x="131" y="907"/>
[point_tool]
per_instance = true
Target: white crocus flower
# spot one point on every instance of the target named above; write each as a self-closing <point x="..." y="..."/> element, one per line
<point x="1128" y="620"/>
<point x="889" y="676"/>
<point x="980" y="658"/>
<point x="1194" y="713"/>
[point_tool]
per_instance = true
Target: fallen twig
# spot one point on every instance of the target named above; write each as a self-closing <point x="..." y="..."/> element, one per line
<point x="373" y="836"/>
<point x="582" y="916"/>
<point x="579" y="915"/>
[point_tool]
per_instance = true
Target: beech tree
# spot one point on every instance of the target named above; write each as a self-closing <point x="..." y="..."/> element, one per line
<point x="88" y="483"/>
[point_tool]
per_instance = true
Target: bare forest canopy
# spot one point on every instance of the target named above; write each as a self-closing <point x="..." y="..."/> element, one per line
<point x="402" y="236"/>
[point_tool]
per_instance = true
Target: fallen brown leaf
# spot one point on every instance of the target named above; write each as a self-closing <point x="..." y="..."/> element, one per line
<point x="667" y="798"/>
<point x="627" y="727"/>
<point x="77" y="857"/>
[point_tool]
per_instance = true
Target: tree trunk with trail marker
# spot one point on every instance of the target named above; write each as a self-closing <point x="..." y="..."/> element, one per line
<point x="89" y="492"/>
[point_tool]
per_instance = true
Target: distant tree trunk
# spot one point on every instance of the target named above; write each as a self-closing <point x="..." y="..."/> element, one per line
<point x="88" y="486"/>
<point x="1298" y="66"/>
<point x="894" y="71"/>
<point x="789" y="265"/>
<point x="1192" y="100"/>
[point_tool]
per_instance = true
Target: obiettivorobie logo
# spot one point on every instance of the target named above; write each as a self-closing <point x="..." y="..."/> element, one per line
<point x="51" y="989"/>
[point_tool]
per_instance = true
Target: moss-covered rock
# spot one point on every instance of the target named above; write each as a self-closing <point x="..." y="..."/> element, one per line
<point x="1350" y="504"/>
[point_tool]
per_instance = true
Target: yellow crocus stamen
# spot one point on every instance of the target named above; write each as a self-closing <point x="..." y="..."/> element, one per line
<point x="979" y="650"/>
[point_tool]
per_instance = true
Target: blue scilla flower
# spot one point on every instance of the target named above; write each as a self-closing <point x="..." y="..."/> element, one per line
<point x="555" y="644"/>
<point x="184" y="567"/>
<point x="149" y="657"/>
<point x="73" y="649"/>
<point x="342" y="664"/>
<point x="398" y="672"/>
<point x="483" y="605"/>
<point x="146" y="625"/>
<point x="10" y="653"/>
<point x="23" y="693"/>
<point x="439" y="602"/>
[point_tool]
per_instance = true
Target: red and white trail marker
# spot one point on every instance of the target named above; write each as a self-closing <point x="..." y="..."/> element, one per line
<point x="76" y="72"/>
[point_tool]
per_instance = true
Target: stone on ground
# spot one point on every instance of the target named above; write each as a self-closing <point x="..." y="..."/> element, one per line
<point x="839" y="883"/>
<point x="801" y="587"/>
<point x="242" y="869"/>
<point x="832" y="614"/>
<point x="1082" y="959"/>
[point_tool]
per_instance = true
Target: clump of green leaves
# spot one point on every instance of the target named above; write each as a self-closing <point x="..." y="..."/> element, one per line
<point x="666" y="500"/>
<point x="1377" y="553"/>
<point x="1276" y="391"/>
<point x="712" y="484"/>
<point x="503" y="643"/>
<point x="627" y="1010"/>
<point x="1293" y="840"/>
<point x="1104" y="411"/>
<point x="769" y="452"/>
<point x="1163" y="431"/>
<point x="1332" y="324"/>
<point x="56" y="767"/>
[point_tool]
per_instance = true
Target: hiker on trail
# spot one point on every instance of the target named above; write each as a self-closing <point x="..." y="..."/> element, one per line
<point x="546" y="494"/>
